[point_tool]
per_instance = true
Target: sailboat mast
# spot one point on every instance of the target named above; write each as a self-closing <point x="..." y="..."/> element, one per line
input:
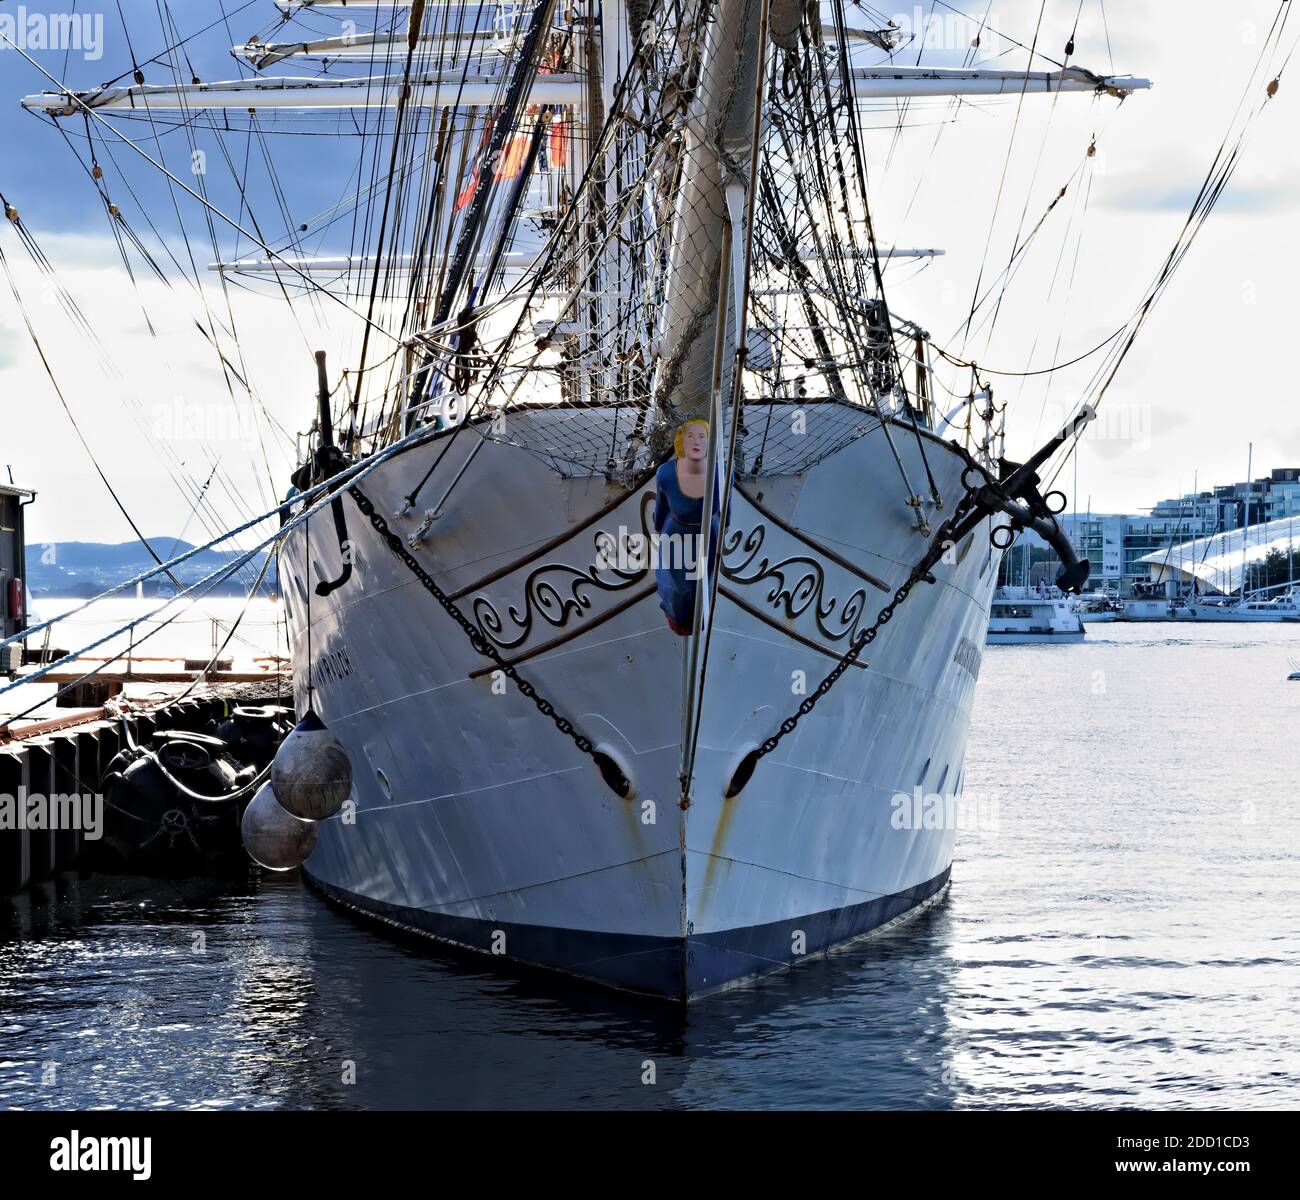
<point x="1245" y="520"/>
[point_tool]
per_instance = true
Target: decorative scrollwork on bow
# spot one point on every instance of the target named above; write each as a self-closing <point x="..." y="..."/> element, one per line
<point x="798" y="584"/>
<point x="556" y="591"/>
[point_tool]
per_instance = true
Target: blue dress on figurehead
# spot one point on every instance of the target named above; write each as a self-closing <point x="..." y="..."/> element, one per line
<point x="678" y="566"/>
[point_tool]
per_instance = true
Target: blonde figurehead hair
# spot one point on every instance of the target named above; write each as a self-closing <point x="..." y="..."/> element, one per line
<point x="679" y="438"/>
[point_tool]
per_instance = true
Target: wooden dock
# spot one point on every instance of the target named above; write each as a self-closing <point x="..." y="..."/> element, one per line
<point x="67" y="755"/>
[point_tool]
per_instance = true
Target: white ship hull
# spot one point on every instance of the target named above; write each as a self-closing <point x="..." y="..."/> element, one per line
<point x="479" y="823"/>
<point x="1152" y="610"/>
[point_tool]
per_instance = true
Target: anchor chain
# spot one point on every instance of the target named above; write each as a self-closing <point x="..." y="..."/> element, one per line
<point x="1016" y="496"/>
<point x="920" y="572"/>
<point x="948" y="534"/>
<point x="609" y="769"/>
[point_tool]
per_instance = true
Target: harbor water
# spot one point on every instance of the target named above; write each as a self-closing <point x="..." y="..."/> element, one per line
<point x="168" y="627"/>
<point x="1123" y="929"/>
<point x="248" y="633"/>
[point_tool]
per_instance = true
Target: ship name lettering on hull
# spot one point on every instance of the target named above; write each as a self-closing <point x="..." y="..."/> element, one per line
<point x="331" y="666"/>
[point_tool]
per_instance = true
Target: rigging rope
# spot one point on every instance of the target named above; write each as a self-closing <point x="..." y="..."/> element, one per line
<point x="58" y="391"/>
<point x="1221" y="170"/>
<point x="608" y="768"/>
<point x="72" y="97"/>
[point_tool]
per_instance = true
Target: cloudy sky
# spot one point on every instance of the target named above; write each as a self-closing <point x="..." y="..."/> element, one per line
<point x="1205" y="378"/>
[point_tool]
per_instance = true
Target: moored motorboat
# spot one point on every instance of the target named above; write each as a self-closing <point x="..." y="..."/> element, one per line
<point x="1020" y="616"/>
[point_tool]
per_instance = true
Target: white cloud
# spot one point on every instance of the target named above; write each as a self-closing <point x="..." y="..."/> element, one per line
<point x="154" y="407"/>
<point x="1207" y="366"/>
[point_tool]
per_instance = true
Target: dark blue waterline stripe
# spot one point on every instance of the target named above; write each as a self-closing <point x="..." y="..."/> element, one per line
<point x="665" y="967"/>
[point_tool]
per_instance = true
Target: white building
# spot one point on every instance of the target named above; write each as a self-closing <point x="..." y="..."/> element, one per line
<point x="1216" y="564"/>
<point x="1118" y="544"/>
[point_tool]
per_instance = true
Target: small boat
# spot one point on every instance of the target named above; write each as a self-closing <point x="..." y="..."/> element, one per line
<point x="1276" y="608"/>
<point x="1294" y="677"/>
<point x="1022" y="616"/>
<point x="1152" y="608"/>
<point x="1098" y="607"/>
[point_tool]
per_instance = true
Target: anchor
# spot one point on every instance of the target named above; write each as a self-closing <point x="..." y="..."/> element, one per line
<point x="329" y="461"/>
<point x="1017" y="495"/>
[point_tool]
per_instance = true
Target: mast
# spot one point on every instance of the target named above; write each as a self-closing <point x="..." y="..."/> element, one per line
<point x="873" y="83"/>
<point x="1245" y="520"/>
<point x="514" y="260"/>
<point x="642" y="274"/>
<point x="292" y="6"/>
<point x="450" y="88"/>
<point x="719" y="129"/>
<point x="462" y="25"/>
<point x="505" y="123"/>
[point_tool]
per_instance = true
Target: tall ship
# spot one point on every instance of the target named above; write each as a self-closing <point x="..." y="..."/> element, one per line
<point x="620" y="297"/>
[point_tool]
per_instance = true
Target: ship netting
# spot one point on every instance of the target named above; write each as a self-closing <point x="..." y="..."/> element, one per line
<point x="598" y="353"/>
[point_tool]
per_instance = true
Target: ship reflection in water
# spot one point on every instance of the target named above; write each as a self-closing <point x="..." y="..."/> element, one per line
<point x="1122" y="930"/>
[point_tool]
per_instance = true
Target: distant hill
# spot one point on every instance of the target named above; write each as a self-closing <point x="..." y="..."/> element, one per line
<point x="80" y="569"/>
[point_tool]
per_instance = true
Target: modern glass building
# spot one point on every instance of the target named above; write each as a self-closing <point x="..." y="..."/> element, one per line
<point x="1234" y="505"/>
<point x="1129" y="553"/>
<point x="1117" y="544"/>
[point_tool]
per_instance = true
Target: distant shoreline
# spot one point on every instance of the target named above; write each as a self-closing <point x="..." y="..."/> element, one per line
<point x="81" y="570"/>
